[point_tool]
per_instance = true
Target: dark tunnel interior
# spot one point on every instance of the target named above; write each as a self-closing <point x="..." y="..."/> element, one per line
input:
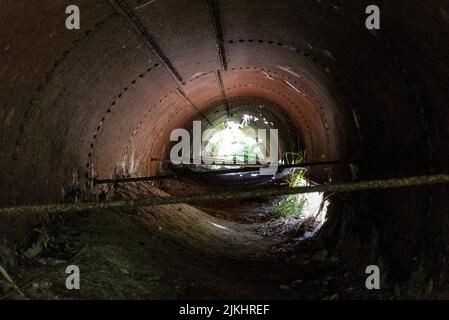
<point x="101" y="103"/>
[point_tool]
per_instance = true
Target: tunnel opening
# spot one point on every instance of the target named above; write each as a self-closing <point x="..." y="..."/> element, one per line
<point x="238" y="135"/>
<point x="232" y="137"/>
<point x="228" y="139"/>
<point x="233" y="143"/>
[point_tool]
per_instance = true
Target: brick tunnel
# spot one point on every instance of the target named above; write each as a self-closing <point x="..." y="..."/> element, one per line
<point x="100" y="102"/>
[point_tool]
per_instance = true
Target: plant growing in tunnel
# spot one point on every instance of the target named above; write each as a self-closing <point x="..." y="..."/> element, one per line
<point x="292" y="205"/>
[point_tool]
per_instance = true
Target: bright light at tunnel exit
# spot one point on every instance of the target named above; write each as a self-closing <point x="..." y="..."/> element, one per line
<point x="230" y="138"/>
<point x="234" y="143"/>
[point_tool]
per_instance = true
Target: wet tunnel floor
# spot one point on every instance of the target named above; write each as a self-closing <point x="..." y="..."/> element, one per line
<point x="122" y="258"/>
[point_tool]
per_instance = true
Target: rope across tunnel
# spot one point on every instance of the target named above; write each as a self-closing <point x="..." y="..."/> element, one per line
<point x="267" y="192"/>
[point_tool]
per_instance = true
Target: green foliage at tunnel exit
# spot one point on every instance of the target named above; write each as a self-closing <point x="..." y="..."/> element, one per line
<point x="288" y="208"/>
<point x="291" y="206"/>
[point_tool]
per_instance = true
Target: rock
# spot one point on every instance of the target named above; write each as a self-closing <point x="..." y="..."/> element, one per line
<point x="284" y="287"/>
<point x="296" y="283"/>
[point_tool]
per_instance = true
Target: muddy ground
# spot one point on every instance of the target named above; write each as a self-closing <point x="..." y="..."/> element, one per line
<point x="178" y="252"/>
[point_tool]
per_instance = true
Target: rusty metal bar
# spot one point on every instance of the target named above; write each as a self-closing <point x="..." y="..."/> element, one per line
<point x="214" y="10"/>
<point x="215" y="172"/>
<point x="256" y="193"/>
<point x="223" y="92"/>
<point x="123" y="9"/>
<point x="184" y="96"/>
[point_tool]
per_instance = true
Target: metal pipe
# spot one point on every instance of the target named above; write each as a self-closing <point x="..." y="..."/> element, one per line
<point x="215" y="172"/>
